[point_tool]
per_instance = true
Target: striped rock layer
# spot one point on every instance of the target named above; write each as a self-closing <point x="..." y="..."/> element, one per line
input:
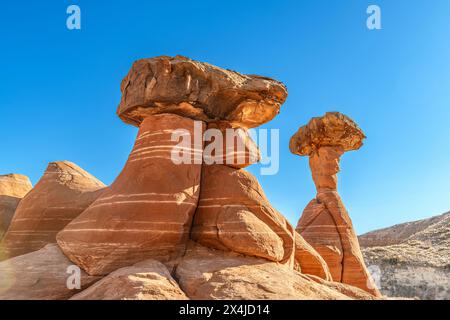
<point x="64" y="191"/>
<point x="147" y="211"/>
<point x="230" y="146"/>
<point x="234" y="215"/>
<point x="326" y="225"/>
<point x="13" y="187"/>
<point x="308" y="261"/>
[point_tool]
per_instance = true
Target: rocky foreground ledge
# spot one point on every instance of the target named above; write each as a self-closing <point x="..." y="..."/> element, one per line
<point x="187" y="230"/>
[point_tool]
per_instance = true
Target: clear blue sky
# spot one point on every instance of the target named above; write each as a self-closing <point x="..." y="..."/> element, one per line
<point x="59" y="89"/>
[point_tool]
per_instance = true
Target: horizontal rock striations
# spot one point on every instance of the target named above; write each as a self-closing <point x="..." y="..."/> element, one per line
<point x="13" y="187"/>
<point x="147" y="211"/>
<point x="64" y="191"/>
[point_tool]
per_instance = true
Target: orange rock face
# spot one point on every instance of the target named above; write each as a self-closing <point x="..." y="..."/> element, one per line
<point x="228" y="145"/>
<point x="147" y="211"/>
<point x="146" y="280"/>
<point x="325" y="223"/>
<point x="41" y="275"/>
<point x="64" y="191"/>
<point x="212" y="274"/>
<point x="13" y="187"/>
<point x="318" y="228"/>
<point x="234" y="215"/>
<point x="309" y="261"/>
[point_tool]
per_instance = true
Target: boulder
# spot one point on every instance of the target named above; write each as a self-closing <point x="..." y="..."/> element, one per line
<point x="64" y="191"/>
<point x="210" y="274"/>
<point x="146" y="280"/>
<point x="13" y="187"/>
<point x="199" y="91"/>
<point x="41" y="275"/>
<point x="147" y="212"/>
<point x="234" y="215"/>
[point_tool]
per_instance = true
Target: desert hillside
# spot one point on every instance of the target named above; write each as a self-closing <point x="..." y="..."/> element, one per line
<point x="413" y="258"/>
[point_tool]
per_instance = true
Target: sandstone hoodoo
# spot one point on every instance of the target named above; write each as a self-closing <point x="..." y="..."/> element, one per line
<point x="13" y="187"/>
<point x="183" y="220"/>
<point x="64" y="191"/>
<point x="147" y="211"/>
<point x="325" y="223"/>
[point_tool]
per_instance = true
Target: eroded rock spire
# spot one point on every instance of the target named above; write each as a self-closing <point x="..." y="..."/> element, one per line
<point x="325" y="222"/>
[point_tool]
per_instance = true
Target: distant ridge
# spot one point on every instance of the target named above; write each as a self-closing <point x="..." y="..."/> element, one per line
<point x="412" y="259"/>
<point x="399" y="232"/>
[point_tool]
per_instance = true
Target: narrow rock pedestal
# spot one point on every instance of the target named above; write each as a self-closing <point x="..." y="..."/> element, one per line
<point x="325" y="222"/>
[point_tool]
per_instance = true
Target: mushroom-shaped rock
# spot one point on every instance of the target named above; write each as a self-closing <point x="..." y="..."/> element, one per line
<point x="199" y="91"/>
<point x="13" y="187"/>
<point x="333" y="130"/>
<point x="325" y="223"/>
<point x="324" y="140"/>
<point x="64" y="191"/>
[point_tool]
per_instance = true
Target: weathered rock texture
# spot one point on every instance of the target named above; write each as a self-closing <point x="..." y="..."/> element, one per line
<point x="13" y="187"/>
<point x="211" y="274"/>
<point x="147" y="280"/>
<point x="234" y="214"/>
<point x="309" y="261"/>
<point x="325" y="223"/>
<point x="64" y="191"/>
<point x="198" y="90"/>
<point x="147" y="212"/>
<point x="40" y="275"/>
<point x="411" y="260"/>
